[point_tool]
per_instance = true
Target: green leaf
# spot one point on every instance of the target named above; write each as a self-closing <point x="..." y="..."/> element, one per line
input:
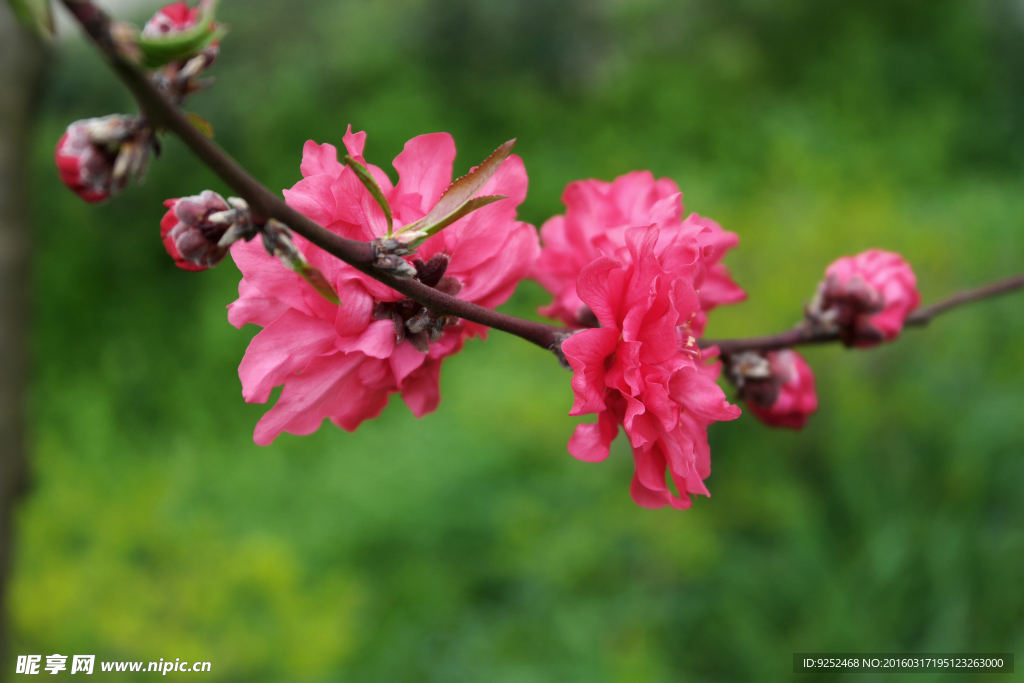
<point x="201" y="124"/>
<point x="457" y="201"/>
<point x="35" y="14"/>
<point x="459" y="192"/>
<point x="313" y="276"/>
<point x="368" y="181"/>
<point x="464" y="210"/>
<point x="157" y="51"/>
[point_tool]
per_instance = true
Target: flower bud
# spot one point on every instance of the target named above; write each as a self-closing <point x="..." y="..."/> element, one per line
<point x="778" y="386"/>
<point x="865" y="298"/>
<point x="197" y="231"/>
<point x="430" y="272"/>
<point x="183" y="38"/>
<point x="170" y="19"/>
<point x="89" y="156"/>
<point x="412" y="320"/>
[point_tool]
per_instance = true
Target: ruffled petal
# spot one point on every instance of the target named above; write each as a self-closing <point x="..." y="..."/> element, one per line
<point x="587" y="352"/>
<point x="283" y="348"/>
<point x="425" y="168"/>
<point x="421" y="390"/>
<point x="253" y="306"/>
<point x="320" y="159"/>
<point x="377" y="340"/>
<point x="591" y="442"/>
<point x="309" y="397"/>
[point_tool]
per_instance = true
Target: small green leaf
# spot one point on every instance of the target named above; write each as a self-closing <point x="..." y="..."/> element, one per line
<point x="368" y="181"/>
<point x="277" y="240"/>
<point x="201" y="124"/>
<point x="35" y="14"/>
<point x="460" y="192"/>
<point x="313" y="276"/>
<point x="157" y="51"/>
<point x="464" y="210"/>
<point x="457" y="201"/>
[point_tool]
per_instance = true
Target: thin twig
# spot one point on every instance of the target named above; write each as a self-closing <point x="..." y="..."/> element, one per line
<point x="925" y="315"/>
<point x="801" y="336"/>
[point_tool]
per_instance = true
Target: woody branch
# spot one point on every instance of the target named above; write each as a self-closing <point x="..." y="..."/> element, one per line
<point x="803" y="335"/>
<point x="163" y="113"/>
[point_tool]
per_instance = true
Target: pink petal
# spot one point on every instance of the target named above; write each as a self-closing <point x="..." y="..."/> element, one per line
<point x="356" y="310"/>
<point x="510" y="180"/>
<point x="425" y="167"/>
<point x="319" y="159"/>
<point x="587" y="352"/>
<point x="284" y="347"/>
<point x="701" y="396"/>
<point x="492" y="282"/>
<point x="421" y="389"/>
<point x="647" y="498"/>
<point x="357" y="207"/>
<point x="404" y="360"/>
<point x="590" y="442"/>
<point x="310" y="397"/>
<point x="364" y="404"/>
<point x="253" y="306"/>
<point x="377" y="340"/>
<point x="271" y="277"/>
<point x="354" y="142"/>
<point x="312" y="197"/>
<point x="600" y="287"/>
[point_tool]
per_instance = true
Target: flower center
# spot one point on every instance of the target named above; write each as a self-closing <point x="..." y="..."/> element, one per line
<point x="412" y="320"/>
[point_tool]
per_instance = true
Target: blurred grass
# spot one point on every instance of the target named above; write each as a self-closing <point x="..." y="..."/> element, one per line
<point x="470" y="545"/>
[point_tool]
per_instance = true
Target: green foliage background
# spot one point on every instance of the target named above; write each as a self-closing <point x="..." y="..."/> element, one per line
<point x="469" y="546"/>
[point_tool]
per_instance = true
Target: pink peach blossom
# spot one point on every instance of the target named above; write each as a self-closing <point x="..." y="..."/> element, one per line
<point x="343" y="362"/>
<point x="868" y="296"/>
<point x="786" y="398"/>
<point x="638" y="371"/>
<point x="597" y="217"/>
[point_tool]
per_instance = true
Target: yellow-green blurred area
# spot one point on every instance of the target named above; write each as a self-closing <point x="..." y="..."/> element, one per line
<point x="469" y="546"/>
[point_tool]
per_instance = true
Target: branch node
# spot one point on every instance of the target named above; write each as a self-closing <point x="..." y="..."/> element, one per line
<point x="556" y="348"/>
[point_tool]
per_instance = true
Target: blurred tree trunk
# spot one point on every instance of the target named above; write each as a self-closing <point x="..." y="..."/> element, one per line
<point x="21" y="62"/>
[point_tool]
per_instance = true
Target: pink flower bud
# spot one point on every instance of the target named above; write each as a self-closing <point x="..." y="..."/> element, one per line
<point x="176" y="18"/>
<point x="786" y="397"/>
<point x="170" y="19"/>
<point x="867" y="297"/>
<point x="189" y="236"/>
<point x="95" y="157"/>
<point x="87" y="168"/>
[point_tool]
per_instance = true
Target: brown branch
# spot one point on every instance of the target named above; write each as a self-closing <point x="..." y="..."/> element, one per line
<point x="925" y="315"/>
<point x="265" y="204"/>
<point x="802" y="335"/>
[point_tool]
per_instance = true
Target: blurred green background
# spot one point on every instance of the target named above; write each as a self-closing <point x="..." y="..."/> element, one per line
<point x="469" y="546"/>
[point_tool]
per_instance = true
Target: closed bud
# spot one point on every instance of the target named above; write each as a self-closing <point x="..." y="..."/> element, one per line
<point x="95" y="157"/>
<point x="182" y="36"/>
<point x="430" y="272"/>
<point x="395" y="265"/>
<point x="778" y="386"/>
<point x="865" y="298"/>
<point x="197" y="231"/>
